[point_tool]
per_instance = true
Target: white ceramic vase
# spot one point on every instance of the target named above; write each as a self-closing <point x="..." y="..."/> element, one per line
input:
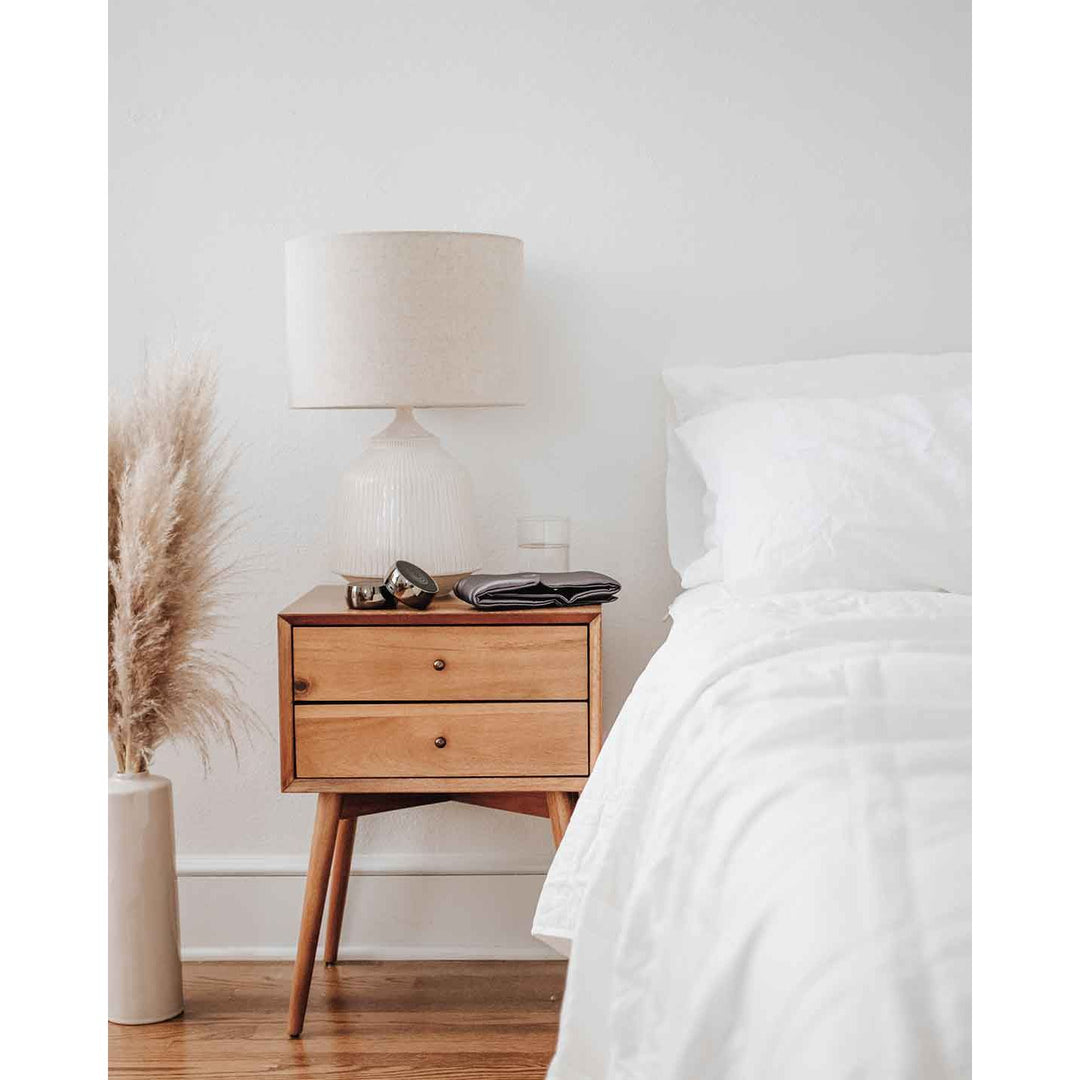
<point x="145" y="984"/>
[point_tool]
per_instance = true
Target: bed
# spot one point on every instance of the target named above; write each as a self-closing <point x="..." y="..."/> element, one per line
<point x="768" y="874"/>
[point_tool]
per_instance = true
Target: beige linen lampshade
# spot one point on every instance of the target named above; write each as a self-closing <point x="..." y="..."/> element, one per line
<point x="403" y="320"/>
<point x="391" y="319"/>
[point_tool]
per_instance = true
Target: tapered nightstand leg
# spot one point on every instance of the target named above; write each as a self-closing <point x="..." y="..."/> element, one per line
<point x="339" y="886"/>
<point x="560" y="806"/>
<point x="327" y="814"/>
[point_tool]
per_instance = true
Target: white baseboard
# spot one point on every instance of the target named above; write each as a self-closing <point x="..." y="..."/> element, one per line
<point x="401" y="907"/>
<point x="373" y="952"/>
<point x="391" y="865"/>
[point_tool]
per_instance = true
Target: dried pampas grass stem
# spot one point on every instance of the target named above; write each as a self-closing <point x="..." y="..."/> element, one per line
<point x="168" y="525"/>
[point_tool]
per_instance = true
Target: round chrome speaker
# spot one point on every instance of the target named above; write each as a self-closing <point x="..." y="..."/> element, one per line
<point x="410" y="585"/>
<point x="361" y="597"/>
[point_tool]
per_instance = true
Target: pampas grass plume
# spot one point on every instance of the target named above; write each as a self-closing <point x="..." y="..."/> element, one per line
<point x="168" y="526"/>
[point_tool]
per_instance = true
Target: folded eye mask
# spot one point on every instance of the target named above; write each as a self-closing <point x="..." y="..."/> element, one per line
<point x="536" y="590"/>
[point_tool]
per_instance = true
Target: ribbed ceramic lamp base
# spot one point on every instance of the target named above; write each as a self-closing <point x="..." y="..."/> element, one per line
<point x="404" y="498"/>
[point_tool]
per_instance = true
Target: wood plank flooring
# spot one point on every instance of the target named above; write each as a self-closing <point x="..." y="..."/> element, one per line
<point x="445" y="1020"/>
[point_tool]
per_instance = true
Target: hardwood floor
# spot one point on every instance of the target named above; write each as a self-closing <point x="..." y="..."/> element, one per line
<point x="446" y="1020"/>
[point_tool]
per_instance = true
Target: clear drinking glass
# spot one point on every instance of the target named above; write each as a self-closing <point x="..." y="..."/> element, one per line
<point x="544" y="544"/>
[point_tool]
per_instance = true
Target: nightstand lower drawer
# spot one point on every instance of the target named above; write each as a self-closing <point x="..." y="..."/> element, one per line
<point x="535" y="738"/>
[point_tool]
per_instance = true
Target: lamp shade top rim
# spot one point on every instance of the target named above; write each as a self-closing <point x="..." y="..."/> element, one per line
<point x="420" y="405"/>
<point x="404" y="232"/>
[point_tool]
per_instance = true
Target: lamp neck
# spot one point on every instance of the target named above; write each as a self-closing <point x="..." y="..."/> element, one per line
<point x="403" y="426"/>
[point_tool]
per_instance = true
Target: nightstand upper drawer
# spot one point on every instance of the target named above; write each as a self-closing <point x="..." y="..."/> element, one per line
<point x="441" y="740"/>
<point x="440" y="663"/>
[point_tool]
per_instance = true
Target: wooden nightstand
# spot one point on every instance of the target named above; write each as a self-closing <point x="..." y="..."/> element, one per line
<point x="386" y="709"/>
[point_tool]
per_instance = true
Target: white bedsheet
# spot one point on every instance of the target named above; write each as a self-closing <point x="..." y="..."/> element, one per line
<point x="768" y="875"/>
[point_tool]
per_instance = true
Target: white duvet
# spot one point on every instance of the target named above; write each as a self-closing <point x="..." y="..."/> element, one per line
<point x="768" y="875"/>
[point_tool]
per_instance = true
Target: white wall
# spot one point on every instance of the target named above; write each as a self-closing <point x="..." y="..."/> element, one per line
<point x="721" y="182"/>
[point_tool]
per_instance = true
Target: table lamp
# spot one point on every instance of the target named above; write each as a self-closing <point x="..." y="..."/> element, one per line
<point x="403" y="321"/>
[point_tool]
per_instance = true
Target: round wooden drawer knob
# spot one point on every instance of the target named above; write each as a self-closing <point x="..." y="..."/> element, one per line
<point x="440" y="742"/>
<point x="438" y="665"/>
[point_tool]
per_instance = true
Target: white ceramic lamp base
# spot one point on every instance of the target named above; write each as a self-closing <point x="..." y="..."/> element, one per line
<point x="404" y="498"/>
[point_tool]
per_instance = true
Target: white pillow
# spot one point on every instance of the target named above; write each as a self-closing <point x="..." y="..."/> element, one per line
<point x="700" y="388"/>
<point x="815" y="493"/>
<point x="686" y="512"/>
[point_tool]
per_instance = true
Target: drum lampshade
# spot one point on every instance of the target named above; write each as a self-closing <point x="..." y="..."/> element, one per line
<point x="396" y="319"/>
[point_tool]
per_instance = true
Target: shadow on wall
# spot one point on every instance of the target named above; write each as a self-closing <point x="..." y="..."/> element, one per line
<point x="589" y="444"/>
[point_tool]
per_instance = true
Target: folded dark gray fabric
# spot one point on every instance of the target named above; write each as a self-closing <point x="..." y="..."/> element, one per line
<point x="526" y="590"/>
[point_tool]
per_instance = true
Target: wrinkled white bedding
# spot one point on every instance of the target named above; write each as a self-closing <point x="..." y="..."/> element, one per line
<point x="768" y="875"/>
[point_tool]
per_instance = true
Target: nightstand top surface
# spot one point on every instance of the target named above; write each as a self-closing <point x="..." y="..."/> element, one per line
<point x="325" y="605"/>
